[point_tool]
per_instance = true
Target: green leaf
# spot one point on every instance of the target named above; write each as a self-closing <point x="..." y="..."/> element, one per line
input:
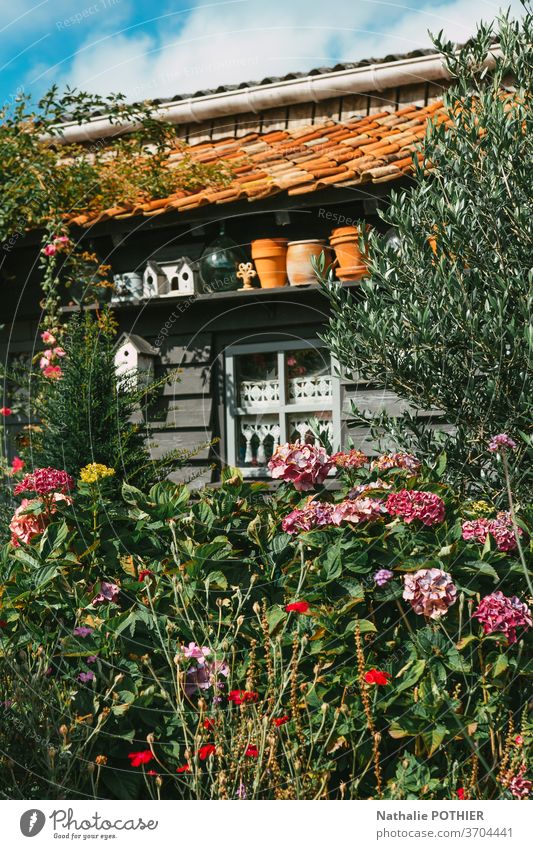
<point x="412" y="677"/>
<point x="365" y="626"/>
<point x="501" y="664"/>
<point x="217" y="580"/>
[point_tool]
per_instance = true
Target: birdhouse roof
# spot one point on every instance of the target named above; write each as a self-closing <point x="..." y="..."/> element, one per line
<point x="140" y="344"/>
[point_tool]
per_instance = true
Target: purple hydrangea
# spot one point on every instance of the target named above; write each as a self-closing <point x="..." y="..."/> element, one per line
<point x="382" y="577"/>
<point x="501" y="442"/>
<point x="82" y="631"/>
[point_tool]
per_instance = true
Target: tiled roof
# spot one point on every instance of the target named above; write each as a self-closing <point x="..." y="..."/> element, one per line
<point x="373" y="149"/>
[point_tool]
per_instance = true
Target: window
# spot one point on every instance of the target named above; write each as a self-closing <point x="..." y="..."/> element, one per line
<point x="279" y="392"/>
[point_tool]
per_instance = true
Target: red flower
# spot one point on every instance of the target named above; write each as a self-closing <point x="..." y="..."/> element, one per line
<point x="280" y="720"/>
<point x="252" y="752"/>
<point x="17" y="465"/>
<point x="375" y="676"/>
<point x="152" y="772"/>
<point x="297" y="607"/>
<point x="461" y="793"/>
<point x="184" y="768"/>
<point x="206" y="751"/>
<point x="240" y="697"/>
<point x="145" y="573"/>
<point x="139" y="758"/>
<point x="5" y="411"/>
<point x="209" y="724"/>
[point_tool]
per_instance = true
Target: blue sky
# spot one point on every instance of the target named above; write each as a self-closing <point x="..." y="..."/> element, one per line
<point x="157" y="48"/>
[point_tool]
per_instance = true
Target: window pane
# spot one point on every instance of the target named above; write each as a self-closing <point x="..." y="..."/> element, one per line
<point x="257" y="437"/>
<point x="315" y="428"/>
<point x="257" y="379"/>
<point x="309" y="375"/>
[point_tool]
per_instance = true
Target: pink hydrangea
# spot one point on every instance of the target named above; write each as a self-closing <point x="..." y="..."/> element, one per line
<point x="503" y="615"/>
<point x="301" y="464"/>
<point x="45" y="481"/>
<point x="315" y="514"/>
<point x="501" y="442"/>
<point x="476" y="530"/>
<point x="108" y="593"/>
<point x="358" y="510"/>
<point x="430" y="592"/>
<point x="25" y="527"/>
<point x="501" y="528"/>
<point x="401" y="460"/>
<point x="427" y="507"/>
<point x="362" y="488"/>
<point x="520" y="787"/>
<point x="352" y="459"/>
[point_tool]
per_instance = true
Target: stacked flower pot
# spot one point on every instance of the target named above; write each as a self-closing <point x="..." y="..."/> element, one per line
<point x="279" y="262"/>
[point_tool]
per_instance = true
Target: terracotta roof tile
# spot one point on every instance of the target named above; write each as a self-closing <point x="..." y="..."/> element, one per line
<point x="374" y="148"/>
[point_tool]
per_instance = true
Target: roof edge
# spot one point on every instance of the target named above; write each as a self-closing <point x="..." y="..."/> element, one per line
<point x="254" y="99"/>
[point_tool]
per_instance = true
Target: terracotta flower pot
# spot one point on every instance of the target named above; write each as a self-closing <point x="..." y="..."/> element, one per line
<point x="270" y="258"/>
<point x="299" y="255"/>
<point x="345" y="241"/>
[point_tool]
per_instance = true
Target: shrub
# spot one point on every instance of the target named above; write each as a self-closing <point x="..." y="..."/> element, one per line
<point x="444" y="321"/>
<point x="173" y="645"/>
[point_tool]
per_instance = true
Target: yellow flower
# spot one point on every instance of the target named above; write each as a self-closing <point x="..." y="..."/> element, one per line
<point x="94" y="472"/>
<point x="481" y="508"/>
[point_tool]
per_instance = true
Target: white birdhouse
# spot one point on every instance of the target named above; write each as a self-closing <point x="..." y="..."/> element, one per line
<point x="181" y="277"/>
<point x="155" y="281"/>
<point x="133" y="353"/>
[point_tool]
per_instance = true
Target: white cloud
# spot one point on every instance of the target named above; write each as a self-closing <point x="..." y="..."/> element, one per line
<point x="251" y="39"/>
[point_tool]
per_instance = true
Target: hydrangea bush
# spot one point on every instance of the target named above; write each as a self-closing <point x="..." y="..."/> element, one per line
<point x="349" y="634"/>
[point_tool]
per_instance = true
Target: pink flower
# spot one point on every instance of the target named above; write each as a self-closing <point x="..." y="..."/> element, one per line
<point x="195" y="652"/>
<point x="476" y="530"/>
<point x="108" y="593"/>
<point x="519" y="740"/>
<point x="59" y="352"/>
<point x="430" y="592"/>
<point x="427" y="507"/>
<point x="352" y="459"/>
<point x="86" y="677"/>
<point x="382" y="577"/>
<point x="315" y="514"/>
<point x="363" y="488"/>
<point x="303" y="465"/>
<point x="48" y="338"/>
<point x="25" y="527"/>
<point x="520" y="787"/>
<point x="49" y="250"/>
<point x="500" y="614"/>
<point x="53" y="372"/>
<point x="401" y="460"/>
<point x="17" y="465"/>
<point x="501" y="528"/>
<point x="358" y="510"/>
<point x="45" y="481"/>
<point x="501" y="442"/>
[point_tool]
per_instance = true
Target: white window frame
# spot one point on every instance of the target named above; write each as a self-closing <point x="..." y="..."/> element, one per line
<point x="283" y="408"/>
